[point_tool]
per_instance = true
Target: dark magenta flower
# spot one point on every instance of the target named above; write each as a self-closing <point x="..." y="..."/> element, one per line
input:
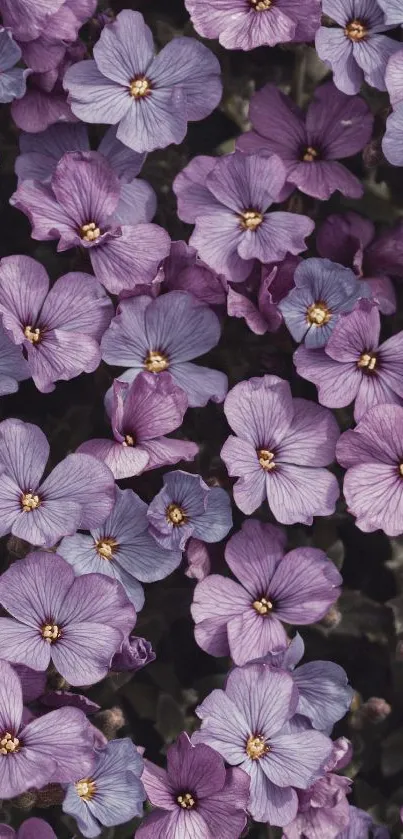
<point x="244" y="619"/>
<point x="372" y="453"/>
<point x="81" y="207"/>
<point x="261" y="294"/>
<point x="135" y="653"/>
<point x="112" y="793"/>
<point x="142" y="414"/>
<point x="166" y="334"/>
<point x="356" y="48"/>
<point x="183" y="270"/>
<point x="245" y="25"/>
<point x="228" y="198"/>
<point x="79" y="492"/>
<point x="187" y="507"/>
<point x="151" y="98"/>
<point x="310" y="145"/>
<point x="78" y="623"/>
<point x="350" y="240"/>
<point x="12" y="79"/>
<point x="59" y="329"/>
<point x="122" y="548"/>
<point x="250" y="723"/>
<point x="354" y="366"/>
<point x="52" y="748"/>
<point x="279" y="451"/>
<point x="196" y="796"/>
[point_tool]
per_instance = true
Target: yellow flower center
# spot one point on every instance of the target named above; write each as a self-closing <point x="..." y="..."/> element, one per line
<point x="8" y="744"/>
<point x="29" y="502"/>
<point x="51" y="632"/>
<point x="33" y="335"/>
<point x="85" y="789"/>
<point x="263" y="606"/>
<point x="106" y="547"/>
<point x="256" y="747"/>
<point x="129" y="440"/>
<point x="140" y="87"/>
<point x="367" y="362"/>
<point x="175" y="515"/>
<point x="310" y="154"/>
<point x="261" y="5"/>
<point x="251" y="219"/>
<point x="356" y="30"/>
<point x="266" y="459"/>
<point x="156" y="362"/>
<point x="186" y="800"/>
<point x="318" y="314"/>
<point x="90" y="232"/>
<point x="401" y="470"/>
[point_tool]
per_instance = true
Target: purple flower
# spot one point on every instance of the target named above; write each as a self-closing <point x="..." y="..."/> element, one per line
<point x="323" y="808"/>
<point x="79" y="492"/>
<point x="52" y="748"/>
<point x="349" y="239"/>
<point x="259" y="305"/>
<point x="135" y="653"/>
<point x="335" y="126"/>
<point x="112" y="794"/>
<point x="227" y="199"/>
<point x="12" y="79"/>
<point x="392" y="143"/>
<point x="255" y="23"/>
<point x="82" y="205"/>
<point x="354" y="366"/>
<point x="243" y="619"/>
<point x="195" y="796"/>
<point x="166" y="334"/>
<point x="373" y="455"/>
<point x="362" y="826"/>
<point x="47" y="51"/>
<point x="279" y="451"/>
<point x="59" y="329"/>
<point x="250" y="724"/>
<point x="151" y="98"/>
<point x="187" y="507"/>
<point x="355" y="49"/>
<point x="393" y="10"/>
<point x="183" y="270"/>
<point x="78" y="623"/>
<point x="13" y="367"/>
<point x="33" y="684"/>
<point x="393" y="79"/>
<point x="323" y="291"/>
<point x="142" y="413"/>
<point x="30" y="829"/>
<point x="122" y="548"/>
<point x="27" y="20"/>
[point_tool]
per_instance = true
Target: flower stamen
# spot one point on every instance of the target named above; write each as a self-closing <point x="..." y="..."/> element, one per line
<point x="140" y="87"/>
<point x="263" y="606"/>
<point x="85" y="789"/>
<point x="367" y="362"/>
<point x="90" y="232"/>
<point x="310" y="154"/>
<point x="8" y="744"/>
<point x="106" y="547"/>
<point x="256" y="747"/>
<point x="266" y="459"/>
<point x="318" y="314"/>
<point x="29" y="502"/>
<point x="356" y="30"/>
<point x="129" y="440"/>
<point x="51" y="632"/>
<point x="186" y="800"/>
<point x="155" y="362"/>
<point x="176" y="515"/>
<point x="32" y="335"/>
<point x="251" y="219"/>
<point x="261" y="5"/>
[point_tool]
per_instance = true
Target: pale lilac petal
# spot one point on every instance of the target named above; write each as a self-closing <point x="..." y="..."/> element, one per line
<point x="123" y="461"/>
<point x="10" y="698"/>
<point x="252" y="636"/>
<point x="24" y="284"/>
<point x="94" y="98"/>
<point x="77" y="303"/>
<point x="260" y="411"/>
<point x="240" y="459"/>
<point x="305" y="584"/>
<point x="133" y="258"/>
<point x="48" y="219"/>
<point x="23" y="645"/>
<point x="296" y="759"/>
<point x="137" y="203"/>
<point x="194" y="199"/>
<point x="85" y="650"/>
<point x="268" y="802"/>
<point x="114" y="53"/>
<point x="254" y="553"/>
<point x="275" y="697"/>
<point x="324" y="693"/>
<point x="66" y="738"/>
<point x="336" y="51"/>
<point x="337" y="384"/>
<point x="24" y="451"/>
<point x="225" y="728"/>
<point x="86" y="187"/>
<point x="216" y="238"/>
<point x="189" y="64"/>
<point x="216" y="600"/>
<point x="200" y="383"/>
<point x="312" y="438"/>
<point x="86" y="482"/>
<point x="297" y="494"/>
<point x="155" y="121"/>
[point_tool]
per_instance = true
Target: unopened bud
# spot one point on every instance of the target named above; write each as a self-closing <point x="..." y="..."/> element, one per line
<point x="332" y="618"/>
<point x="372" y="712"/>
<point x="25" y="801"/>
<point x="110" y="722"/>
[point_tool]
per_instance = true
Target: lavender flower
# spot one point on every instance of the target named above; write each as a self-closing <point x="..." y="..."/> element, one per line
<point x="243" y="619"/>
<point x="335" y="126"/>
<point x="79" y="492"/>
<point x="142" y="413"/>
<point x="78" y="623"/>
<point x="46" y="51"/>
<point x="250" y="724"/>
<point x="183" y="270"/>
<point x="54" y="747"/>
<point x="82" y="206"/>
<point x="27" y="20"/>
<point x="12" y="79"/>
<point x="135" y="653"/>
<point x="59" y="329"/>
<point x="187" y="507"/>
<point x="166" y="334"/>
<point x="152" y="98"/>
<point x="374" y="448"/>
<point x="354" y="367"/>
<point x="259" y="305"/>
<point x="255" y="23"/>
<point x="13" y="367"/>
<point x="350" y="240"/>
<point x="112" y="794"/>
<point x="30" y="829"/>
<point x="122" y="548"/>
<point x="196" y="795"/>
<point x="227" y="198"/>
<point x="355" y="49"/>
<point x="323" y="808"/>
<point x="279" y="451"/>
<point x="323" y="291"/>
<point x="393" y="10"/>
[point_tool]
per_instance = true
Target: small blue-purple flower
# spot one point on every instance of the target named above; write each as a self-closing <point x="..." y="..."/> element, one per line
<point x="122" y="548"/>
<point x="13" y="80"/>
<point x="112" y="793"/>
<point x="187" y="507"/>
<point x="323" y="291"/>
